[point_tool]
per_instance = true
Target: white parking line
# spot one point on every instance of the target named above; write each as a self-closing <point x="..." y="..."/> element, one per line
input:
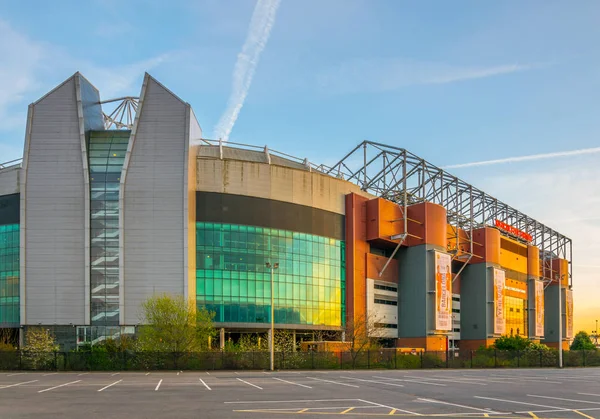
<point x="373" y="381"/>
<point x="18" y="384"/>
<point x="205" y="385"/>
<point x="459" y="405"/>
<point x="116" y="373"/>
<point x="289" y="382"/>
<point x="516" y="402"/>
<point x="390" y="407"/>
<point x="83" y="373"/>
<point x="589" y="394"/>
<point x="18" y="373"/>
<point x="110" y="385"/>
<point x="455" y="380"/>
<point x="291" y="401"/>
<point x="411" y="381"/>
<point x="250" y="384"/>
<point x="158" y="385"/>
<point x="334" y="382"/>
<point x="62" y="385"/>
<point x="52" y="373"/>
<point x="566" y="400"/>
<point x="147" y="373"/>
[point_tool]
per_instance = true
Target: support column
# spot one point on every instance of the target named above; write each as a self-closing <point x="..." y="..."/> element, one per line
<point x="222" y="338"/>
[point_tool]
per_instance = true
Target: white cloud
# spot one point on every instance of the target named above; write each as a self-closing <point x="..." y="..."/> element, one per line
<point x="391" y="74"/>
<point x="532" y="157"/>
<point x="263" y="19"/>
<point x="29" y="68"/>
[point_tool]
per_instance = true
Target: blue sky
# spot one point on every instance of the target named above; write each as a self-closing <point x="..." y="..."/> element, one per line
<point x="454" y="82"/>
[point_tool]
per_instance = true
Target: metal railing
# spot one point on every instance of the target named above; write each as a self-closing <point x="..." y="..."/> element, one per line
<point x="231" y="360"/>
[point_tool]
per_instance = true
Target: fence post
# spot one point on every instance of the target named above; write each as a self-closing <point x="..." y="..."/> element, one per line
<point x="518" y="358"/>
<point x="495" y="358"/>
<point x="341" y="360"/>
<point x="368" y="359"/>
<point x="447" y="359"/>
<point x="124" y="366"/>
<point x="395" y="359"/>
<point x="312" y="359"/>
<point x="55" y="361"/>
<point x="421" y="360"/>
<point x="20" y="359"/>
<point x="471" y="351"/>
<point x="222" y="359"/>
<point x="583" y="357"/>
<point x="65" y="354"/>
<point x="541" y="359"/>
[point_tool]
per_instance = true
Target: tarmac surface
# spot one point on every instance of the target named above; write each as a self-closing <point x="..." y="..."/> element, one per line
<point x="499" y="393"/>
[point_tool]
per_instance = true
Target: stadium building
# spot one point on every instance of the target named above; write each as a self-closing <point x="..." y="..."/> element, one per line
<point x="107" y="209"/>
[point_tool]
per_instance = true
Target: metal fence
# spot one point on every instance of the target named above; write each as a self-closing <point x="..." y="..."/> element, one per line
<point x="229" y="360"/>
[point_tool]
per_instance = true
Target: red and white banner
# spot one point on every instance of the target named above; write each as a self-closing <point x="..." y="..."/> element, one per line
<point x="443" y="291"/>
<point x="499" y="316"/>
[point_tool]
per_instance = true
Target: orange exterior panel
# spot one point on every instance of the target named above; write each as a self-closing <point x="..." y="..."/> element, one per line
<point x="429" y="343"/>
<point x="427" y="224"/>
<point x="384" y="219"/>
<point x="560" y="267"/>
<point x="375" y="264"/>
<point x="474" y="344"/>
<point x="513" y="255"/>
<point x="356" y="251"/>
<point x="486" y="245"/>
<point x="533" y="262"/>
<point x="520" y="285"/>
<point x="457" y="240"/>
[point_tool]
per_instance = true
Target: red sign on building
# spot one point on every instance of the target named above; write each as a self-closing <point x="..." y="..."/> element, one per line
<point x="513" y="230"/>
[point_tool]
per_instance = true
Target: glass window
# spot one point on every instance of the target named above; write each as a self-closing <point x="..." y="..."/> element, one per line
<point x="309" y="284"/>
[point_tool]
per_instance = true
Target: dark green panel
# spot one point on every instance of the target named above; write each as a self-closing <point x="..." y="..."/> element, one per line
<point x="9" y="209"/>
<point x="252" y="211"/>
<point x="474" y="302"/>
<point x="412" y="292"/>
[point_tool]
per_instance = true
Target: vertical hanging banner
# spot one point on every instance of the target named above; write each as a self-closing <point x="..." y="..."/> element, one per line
<point x="569" y="313"/>
<point x="539" y="308"/>
<point x="443" y="291"/>
<point x="499" y="318"/>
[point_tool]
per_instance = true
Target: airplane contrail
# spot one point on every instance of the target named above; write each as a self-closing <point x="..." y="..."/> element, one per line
<point x="593" y="150"/>
<point x="263" y="19"/>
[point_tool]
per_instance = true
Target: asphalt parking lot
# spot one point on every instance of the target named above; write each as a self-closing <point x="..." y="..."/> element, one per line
<point x="524" y="393"/>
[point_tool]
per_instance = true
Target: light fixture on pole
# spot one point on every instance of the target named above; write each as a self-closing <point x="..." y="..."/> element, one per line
<point x="272" y="267"/>
<point x="560" y="352"/>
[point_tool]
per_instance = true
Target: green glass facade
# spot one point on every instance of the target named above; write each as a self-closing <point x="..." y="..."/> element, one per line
<point x="106" y="151"/>
<point x="9" y="275"/>
<point x="233" y="281"/>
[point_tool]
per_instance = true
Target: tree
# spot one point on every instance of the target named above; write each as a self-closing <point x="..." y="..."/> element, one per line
<point x="7" y="342"/>
<point x="361" y="335"/>
<point x="173" y="324"/>
<point x="39" y="347"/>
<point x="511" y="343"/>
<point x="582" y="341"/>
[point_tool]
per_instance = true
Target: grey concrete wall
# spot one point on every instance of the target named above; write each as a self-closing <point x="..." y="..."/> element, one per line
<point x="153" y="194"/>
<point x="53" y="236"/>
<point x="551" y="314"/>
<point x="9" y="181"/>
<point x="476" y="292"/>
<point x="274" y="182"/>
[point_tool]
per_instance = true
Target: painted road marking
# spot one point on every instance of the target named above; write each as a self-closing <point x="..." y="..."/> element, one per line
<point x="116" y="373"/>
<point x="347" y="410"/>
<point x="18" y="373"/>
<point x="559" y="398"/>
<point x="334" y="382"/>
<point x="373" y="381"/>
<point x="52" y="373"/>
<point x="589" y="394"/>
<point x="158" y="385"/>
<point x="110" y="385"/>
<point x="583" y="414"/>
<point x="289" y="382"/>
<point x="18" y="384"/>
<point x="459" y="405"/>
<point x="250" y="384"/>
<point x="83" y="373"/>
<point x="455" y="380"/>
<point x="513" y="401"/>
<point x="533" y="415"/>
<point x="389" y="407"/>
<point x="205" y="385"/>
<point x="411" y="381"/>
<point x="62" y="385"/>
<point x="294" y="401"/>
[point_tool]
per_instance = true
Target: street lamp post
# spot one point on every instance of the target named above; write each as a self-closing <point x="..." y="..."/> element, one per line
<point x="560" y="352"/>
<point x="272" y="267"/>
